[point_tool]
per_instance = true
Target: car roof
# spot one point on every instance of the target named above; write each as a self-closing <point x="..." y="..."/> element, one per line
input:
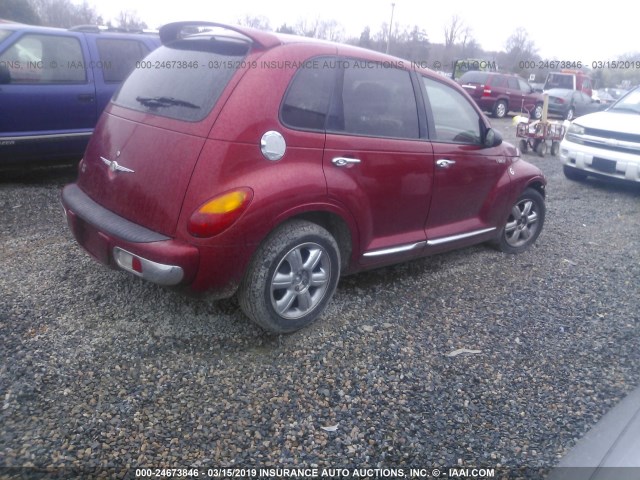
<point x="266" y="40"/>
<point x="81" y="29"/>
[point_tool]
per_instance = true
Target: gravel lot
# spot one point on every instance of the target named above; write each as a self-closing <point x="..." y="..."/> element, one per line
<point x="102" y="373"/>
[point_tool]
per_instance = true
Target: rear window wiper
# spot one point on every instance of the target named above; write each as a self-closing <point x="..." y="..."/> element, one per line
<point x="154" y="102"/>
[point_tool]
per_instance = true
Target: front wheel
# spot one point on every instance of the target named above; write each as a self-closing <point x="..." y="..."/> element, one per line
<point x="291" y="278"/>
<point x="524" y="223"/>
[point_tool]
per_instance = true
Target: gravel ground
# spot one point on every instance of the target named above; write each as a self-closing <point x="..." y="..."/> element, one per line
<point x="103" y="373"/>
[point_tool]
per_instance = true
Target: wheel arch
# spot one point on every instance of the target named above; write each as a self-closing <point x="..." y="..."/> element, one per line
<point x="343" y="230"/>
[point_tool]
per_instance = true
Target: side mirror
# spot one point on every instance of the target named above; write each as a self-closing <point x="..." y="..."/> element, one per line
<point x="492" y="138"/>
<point x="5" y="74"/>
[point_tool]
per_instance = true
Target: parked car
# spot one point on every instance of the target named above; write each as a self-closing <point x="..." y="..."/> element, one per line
<point x="605" y="144"/>
<point x="54" y="83"/>
<point x="500" y="93"/>
<point x="608" y="96"/>
<point x="272" y="164"/>
<point x="570" y="79"/>
<point x="570" y="104"/>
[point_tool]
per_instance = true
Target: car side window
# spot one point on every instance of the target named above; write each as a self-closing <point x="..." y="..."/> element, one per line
<point x="45" y="59"/>
<point x="306" y="102"/>
<point x="455" y="120"/>
<point x="513" y="83"/>
<point x="524" y="86"/>
<point x="499" y="81"/>
<point x="118" y="57"/>
<point x="376" y="100"/>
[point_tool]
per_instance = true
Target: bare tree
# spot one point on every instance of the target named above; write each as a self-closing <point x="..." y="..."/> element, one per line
<point x="260" y="22"/>
<point x="63" y="13"/>
<point x="452" y="31"/>
<point x="129" y="20"/>
<point x="519" y="48"/>
<point x="18" y="11"/>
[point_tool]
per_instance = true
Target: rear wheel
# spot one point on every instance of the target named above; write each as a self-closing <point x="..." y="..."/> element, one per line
<point x="570" y="114"/>
<point x="500" y="109"/>
<point x="537" y="112"/>
<point x="555" y="148"/>
<point x="291" y="278"/>
<point x="524" y="223"/>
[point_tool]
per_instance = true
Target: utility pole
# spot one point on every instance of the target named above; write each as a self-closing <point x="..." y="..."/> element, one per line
<point x="393" y="6"/>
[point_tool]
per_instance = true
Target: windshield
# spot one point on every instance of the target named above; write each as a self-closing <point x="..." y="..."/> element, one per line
<point x="4" y="34"/>
<point x="182" y="80"/>
<point x="628" y="103"/>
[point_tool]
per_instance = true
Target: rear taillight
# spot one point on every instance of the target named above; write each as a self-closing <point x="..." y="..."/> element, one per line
<point x="219" y="213"/>
<point x="486" y="91"/>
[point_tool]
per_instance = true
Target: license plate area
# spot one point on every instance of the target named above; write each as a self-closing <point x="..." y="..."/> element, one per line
<point x="94" y="242"/>
<point x="603" y="165"/>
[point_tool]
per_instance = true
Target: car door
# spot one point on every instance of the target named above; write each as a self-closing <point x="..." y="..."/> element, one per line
<point x="375" y="162"/>
<point x="467" y="175"/>
<point x="49" y="95"/>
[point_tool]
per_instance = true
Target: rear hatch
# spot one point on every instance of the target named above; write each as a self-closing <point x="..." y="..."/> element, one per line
<point x="474" y="83"/>
<point x="141" y="157"/>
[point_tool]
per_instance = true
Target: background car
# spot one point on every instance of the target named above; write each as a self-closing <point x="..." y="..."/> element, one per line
<point x="605" y="144"/>
<point x="570" y="104"/>
<point x="500" y="93"/>
<point x="291" y="163"/>
<point x="54" y="84"/>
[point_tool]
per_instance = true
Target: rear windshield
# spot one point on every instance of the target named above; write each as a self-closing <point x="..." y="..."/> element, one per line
<point x="182" y="80"/>
<point x="474" y="77"/>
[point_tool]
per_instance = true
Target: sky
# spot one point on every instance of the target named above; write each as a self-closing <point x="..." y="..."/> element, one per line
<point x="561" y="30"/>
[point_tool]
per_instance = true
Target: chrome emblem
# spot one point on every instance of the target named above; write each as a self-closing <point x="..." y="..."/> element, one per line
<point x="114" y="167"/>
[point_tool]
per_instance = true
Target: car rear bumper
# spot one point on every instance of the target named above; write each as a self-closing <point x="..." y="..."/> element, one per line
<point x="119" y="243"/>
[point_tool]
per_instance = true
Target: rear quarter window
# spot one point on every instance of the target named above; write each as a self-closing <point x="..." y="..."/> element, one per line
<point x="182" y="80"/>
<point x="306" y="102"/>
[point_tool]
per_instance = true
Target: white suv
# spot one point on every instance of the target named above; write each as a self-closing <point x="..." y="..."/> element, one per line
<point x="605" y="144"/>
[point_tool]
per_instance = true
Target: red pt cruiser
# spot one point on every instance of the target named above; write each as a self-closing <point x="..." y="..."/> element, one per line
<point x="238" y="160"/>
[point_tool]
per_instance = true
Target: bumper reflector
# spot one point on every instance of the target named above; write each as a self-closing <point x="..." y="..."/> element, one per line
<point x="152" y="271"/>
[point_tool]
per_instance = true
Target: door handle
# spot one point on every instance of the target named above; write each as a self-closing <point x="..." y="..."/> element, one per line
<point x="85" y="97"/>
<point x="344" y="161"/>
<point x="444" y="163"/>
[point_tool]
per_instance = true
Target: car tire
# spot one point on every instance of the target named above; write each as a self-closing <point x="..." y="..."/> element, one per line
<point x="500" y="109"/>
<point x="524" y="224"/>
<point x="537" y="112"/>
<point x="573" y="173"/>
<point x="570" y="114"/>
<point x="291" y="277"/>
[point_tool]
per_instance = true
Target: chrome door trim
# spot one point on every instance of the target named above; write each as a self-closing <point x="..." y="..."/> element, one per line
<point x="398" y="249"/>
<point x="461" y="236"/>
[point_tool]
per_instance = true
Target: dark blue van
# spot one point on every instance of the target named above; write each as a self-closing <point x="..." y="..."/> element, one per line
<point x="54" y="84"/>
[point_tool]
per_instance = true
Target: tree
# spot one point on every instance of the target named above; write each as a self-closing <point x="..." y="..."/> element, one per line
<point x="452" y="31"/>
<point x="259" y="22"/>
<point x="63" y="13"/>
<point x="284" y="28"/>
<point x="129" y="20"/>
<point x="18" y="11"/>
<point x="519" y="48"/>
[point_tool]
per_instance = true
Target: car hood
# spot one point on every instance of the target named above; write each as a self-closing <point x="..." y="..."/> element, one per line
<point x="611" y="121"/>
